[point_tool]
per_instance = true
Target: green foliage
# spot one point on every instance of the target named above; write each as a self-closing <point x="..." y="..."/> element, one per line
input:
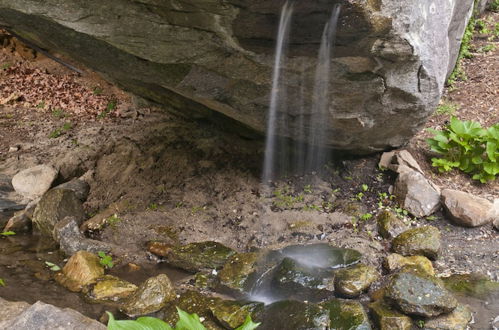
<point x="494" y="6"/>
<point x="58" y="113"/>
<point x="366" y="216"/>
<point x="186" y="322"/>
<point x="53" y="267"/>
<point x="446" y="108"/>
<point x="113" y="220"/>
<point x="487" y="48"/>
<point x="2" y="282"/>
<point x="111" y="105"/>
<point x="61" y="130"/>
<point x="105" y="259"/>
<point x="7" y="233"/>
<point x="307" y="189"/>
<point x="284" y="198"/>
<point x="469" y="147"/>
<point x="365" y="187"/>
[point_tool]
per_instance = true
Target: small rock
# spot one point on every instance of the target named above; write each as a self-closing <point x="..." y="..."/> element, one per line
<point x="420" y="294"/>
<point x="35" y="181"/>
<point x="387" y="318"/>
<point x="292" y="314"/>
<point x="237" y="269"/>
<point x="195" y="257"/>
<point x="54" y="206"/>
<point x="395" y="261"/>
<point x="417" y="194"/>
<point x="150" y="297"/>
<point x="14" y="148"/>
<point x="71" y="240"/>
<point x="389" y="225"/>
<point x="457" y="320"/>
<point x="346" y="314"/>
<point x="45" y="316"/>
<point x="352" y="281"/>
<point x="418" y="241"/>
<point x="231" y="314"/>
<point x="79" y="187"/>
<point x="466" y="209"/>
<point x="386" y="160"/>
<point x="19" y="223"/>
<point x="110" y="288"/>
<point x="294" y="280"/>
<point x="82" y="268"/>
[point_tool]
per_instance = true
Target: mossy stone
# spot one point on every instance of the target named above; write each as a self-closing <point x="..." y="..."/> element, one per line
<point x="352" y="281"/>
<point x="474" y="285"/>
<point x="418" y="241"/>
<point x="195" y="257"/>
<point x="237" y="270"/>
<point x="110" y="288"/>
<point x="417" y="293"/>
<point x="396" y="261"/>
<point x="388" y="318"/>
<point x="296" y="315"/>
<point x="294" y="280"/>
<point x="458" y="319"/>
<point x="346" y="315"/>
<point x="232" y="314"/>
<point x="389" y="225"/>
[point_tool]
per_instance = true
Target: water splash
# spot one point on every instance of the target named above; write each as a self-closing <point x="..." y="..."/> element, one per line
<point x="300" y="147"/>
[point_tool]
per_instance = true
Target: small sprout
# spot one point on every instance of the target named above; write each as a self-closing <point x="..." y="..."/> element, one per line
<point x="98" y="90"/>
<point x="2" y="282"/>
<point x="366" y="216"/>
<point x="179" y="205"/>
<point x="58" y="113"/>
<point x="113" y="220"/>
<point x="7" y="233"/>
<point x="348" y="178"/>
<point x="307" y="189"/>
<point x="53" y="267"/>
<point x="153" y="207"/>
<point x="105" y="259"/>
<point x="431" y="218"/>
<point x="359" y="196"/>
<point x="41" y="105"/>
<point x="421" y="324"/>
<point x="365" y="187"/>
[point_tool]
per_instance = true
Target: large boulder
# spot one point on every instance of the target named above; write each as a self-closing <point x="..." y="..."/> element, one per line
<point x="214" y="59"/>
<point x="33" y="182"/>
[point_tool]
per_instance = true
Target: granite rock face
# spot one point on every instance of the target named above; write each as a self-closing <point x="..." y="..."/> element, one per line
<point x="213" y="59"/>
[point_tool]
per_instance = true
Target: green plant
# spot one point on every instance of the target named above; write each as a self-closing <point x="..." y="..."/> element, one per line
<point x="41" y="105"/>
<point x="284" y="198"/>
<point x="431" y="218"/>
<point x="105" y="259"/>
<point x="467" y="146"/>
<point x="487" y="48"/>
<point x="366" y="216"/>
<point x="7" y="233"/>
<point x="186" y="322"/>
<point x="97" y="90"/>
<point x="53" y="267"/>
<point x="446" y="108"/>
<point x="61" y="130"/>
<point x="494" y="6"/>
<point x="421" y="324"/>
<point x="365" y="187"/>
<point x="307" y="189"/>
<point x="359" y="196"/>
<point x="2" y="282"/>
<point x="153" y="207"/>
<point x="6" y="66"/>
<point x="111" y="105"/>
<point x="59" y="113"/>
<point x="113" y="220"/>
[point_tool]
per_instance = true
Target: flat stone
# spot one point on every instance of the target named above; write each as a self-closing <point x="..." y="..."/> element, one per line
<point x="110" y="288"/>
<point x="419" y="294"/>
<point x="389" y="225"/>
<point x="231" y="314"/>
<point x="54" y="206"/>
<point x="150" y="297"/>
<point x="346" y="314"/>
<point x="458" y="319"/>
<point x="416" y="194"/>
<point x="388" y="318"/>
<point x="395" y="262"/>
<point x="418" y="241"/>
<point x="235" y="273"/>
<point x="35" y="181"/>
<point x="41" y="316"/>
<point x="468" y="210"/>
<point x="351" y="282"/>
<point x="82" y="268"/>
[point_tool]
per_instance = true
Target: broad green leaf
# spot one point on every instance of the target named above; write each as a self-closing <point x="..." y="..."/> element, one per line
<point x="188" y="321"/>
<point x="457" y="126"/>
<point x="248" y="324"/>
<point x="491" y="168"/>
<point x="142" y="323"/>
<point x="492" y="151"/>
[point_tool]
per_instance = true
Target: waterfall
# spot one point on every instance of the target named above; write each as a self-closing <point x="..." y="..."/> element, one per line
<point x="300" y="147"/>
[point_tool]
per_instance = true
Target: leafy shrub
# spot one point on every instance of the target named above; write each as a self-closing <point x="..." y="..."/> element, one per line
<point x="469" y="147"/>
<point x="186" y="322"/>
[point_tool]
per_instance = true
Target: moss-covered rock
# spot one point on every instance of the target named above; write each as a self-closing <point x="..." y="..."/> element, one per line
<point x="235" y="273"/>
<point x="346" y="315"/>
<point x="294" y="280"/>
<point x="474" y="285"/>
<point x="352" y="281"/>
<point x="458" y="319"/>
<point x="395" y="261"/>
<point x="389" y="225"/>
<point x="82" y="269"/>
<point x="417" y="293"/>
<point x="418" y="241"/>
<point x="110" y="288"/>
<point x="296" y="315"/>
<point x="232" y="314"/>
<point x="322" y="255"/>
<point x="198" y="256"/>
<point x="151" y="296"/>
<point x="388" y="318"/>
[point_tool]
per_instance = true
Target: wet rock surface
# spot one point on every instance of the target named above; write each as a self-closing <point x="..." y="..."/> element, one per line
<point x="387" y="318"/>
<point x="418" y="241"/>
<point x="346" y="314"/>
<point x="389" y="225"/>
<point x="458" y="319"/>
<point x="351" y="282"/>
<point x="35" y="181"/>
<point x="151" y="296"/>
<point x="82" y="268"/>
<point x="191" y="302"/>
<point x="324" y="255"/>
<point x="465" y="209"/>
<point x="237" y="270"/>
<point x="110" y="288"/>
<point x="395" y="261"/>
<point x="420" y="294"/>
<point x="231" y="314"/>
<point x="54" y="206"/>
<point x="295" y="315"/>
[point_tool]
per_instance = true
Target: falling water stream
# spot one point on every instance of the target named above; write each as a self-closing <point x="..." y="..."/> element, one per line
<point x="300" y="147"/>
